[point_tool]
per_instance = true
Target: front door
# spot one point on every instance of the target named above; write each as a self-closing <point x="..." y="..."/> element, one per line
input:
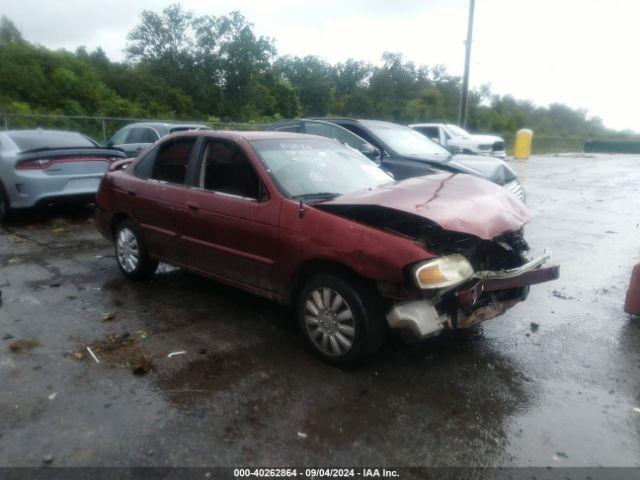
<point x="230" y="228"/>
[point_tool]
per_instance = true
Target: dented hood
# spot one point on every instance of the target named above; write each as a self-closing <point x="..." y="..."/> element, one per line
<point x="455" y="202"/>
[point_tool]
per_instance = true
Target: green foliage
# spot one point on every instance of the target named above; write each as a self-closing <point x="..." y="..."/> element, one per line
<point x="183" y="66"/>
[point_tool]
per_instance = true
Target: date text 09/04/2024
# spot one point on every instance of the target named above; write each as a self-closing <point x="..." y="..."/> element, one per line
<point x="315" y="472"/>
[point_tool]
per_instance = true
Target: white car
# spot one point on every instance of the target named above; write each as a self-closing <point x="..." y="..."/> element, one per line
<point x="449" y="136"/>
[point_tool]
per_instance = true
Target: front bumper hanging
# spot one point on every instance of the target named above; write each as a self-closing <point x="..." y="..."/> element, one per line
<point x="422" y="319"/>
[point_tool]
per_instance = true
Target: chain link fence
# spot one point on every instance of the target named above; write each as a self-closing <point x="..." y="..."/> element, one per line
<point x="99" y="128"/>
<point x="102" y="128"/>
<point x="545" y="144"/>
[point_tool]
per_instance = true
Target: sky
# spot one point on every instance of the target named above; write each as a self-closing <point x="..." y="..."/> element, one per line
<point x="578" y="52"/>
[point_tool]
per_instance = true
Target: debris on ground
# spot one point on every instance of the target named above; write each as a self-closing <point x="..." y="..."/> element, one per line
<point x="54" y="285"/>
<point x="143" y="334"/>
<point x="141" y="365"/>
<point x="93" y="355"/>
<point x="198" y="412"/>
<point x="115" y="339"/>
<point x="174" y="354"/>
<point x="561" y="295"/>
<point x="47" y="459"/>
<point x="78" y="355"/>
<point x="17" y="239"/>
<point x="302" y="435"/>
<point x="534" y="326"/>
<point x="18" y="346"/>
<point x="8" y="336"/>
<point x="107" y="317"/>
<point x="53" y="396"/>
<point x="636" y="409"/>
<point x="562" y="455"/>
<point x="202" y="351"/>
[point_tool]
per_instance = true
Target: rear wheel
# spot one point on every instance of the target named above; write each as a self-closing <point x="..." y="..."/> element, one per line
<point x="341" y="318"/>
<point x="5" y="207"/>
<point x="132" y="256"/>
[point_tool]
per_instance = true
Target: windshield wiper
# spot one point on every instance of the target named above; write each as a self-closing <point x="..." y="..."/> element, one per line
<point x="318" y="195"/>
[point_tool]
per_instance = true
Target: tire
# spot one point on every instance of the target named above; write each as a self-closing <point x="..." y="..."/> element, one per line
<point x="5" y="207"/>
<point x="132" y="256"/>
<point x="345" y="330"/>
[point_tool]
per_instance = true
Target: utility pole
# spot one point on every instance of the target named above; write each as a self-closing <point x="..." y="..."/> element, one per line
<point x="464" y="94"/>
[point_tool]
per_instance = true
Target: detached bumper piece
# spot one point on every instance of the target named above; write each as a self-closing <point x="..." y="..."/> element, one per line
<point x="488" y="295"/>
<point x="632" y="302"/>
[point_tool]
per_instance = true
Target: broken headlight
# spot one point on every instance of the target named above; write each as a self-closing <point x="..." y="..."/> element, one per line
<point x="442" y="272"/>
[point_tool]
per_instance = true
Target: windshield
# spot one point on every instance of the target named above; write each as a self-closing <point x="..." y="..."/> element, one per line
<point x="405" y="140"/>
<point x="456" y="131"/>
<point x="305" y="168"/>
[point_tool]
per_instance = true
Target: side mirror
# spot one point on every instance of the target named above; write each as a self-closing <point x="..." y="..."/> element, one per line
<point x="370" y="152"/>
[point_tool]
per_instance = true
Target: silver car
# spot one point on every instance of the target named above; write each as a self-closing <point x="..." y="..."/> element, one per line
<point x="39" y="167"/>
<point x="136" y="137"/>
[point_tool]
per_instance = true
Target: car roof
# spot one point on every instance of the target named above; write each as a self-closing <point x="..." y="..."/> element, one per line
<point x="163" y="124"/>
<point x="362" y="121"/>
<point x="245" y="134"/>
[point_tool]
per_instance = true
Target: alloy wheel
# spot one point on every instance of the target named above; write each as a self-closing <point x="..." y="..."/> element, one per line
<point x="127" y="250"/>
<point x="329" y="322"/>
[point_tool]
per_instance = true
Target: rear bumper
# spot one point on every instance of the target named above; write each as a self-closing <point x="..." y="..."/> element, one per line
<point x="488" y="295"/>
<point x="34" y="188"/>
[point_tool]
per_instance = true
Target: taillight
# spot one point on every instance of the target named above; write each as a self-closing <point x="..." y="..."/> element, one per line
<point x="43" y="163"/>
<point x="40" y="163"/>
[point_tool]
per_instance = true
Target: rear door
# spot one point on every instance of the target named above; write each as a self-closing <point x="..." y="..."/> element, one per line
<point x="155" y="196"/>
<point x="231" y="226"/>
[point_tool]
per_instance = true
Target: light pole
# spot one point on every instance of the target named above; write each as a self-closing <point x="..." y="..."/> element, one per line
<point x="464" y="93"/>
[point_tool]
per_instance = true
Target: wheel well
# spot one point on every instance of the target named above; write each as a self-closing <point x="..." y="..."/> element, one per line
<point x="313" y="267"/>
<point x="117" y="219"/>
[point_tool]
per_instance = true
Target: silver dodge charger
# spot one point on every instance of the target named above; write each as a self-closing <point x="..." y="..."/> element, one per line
<point x="40" y="167"/>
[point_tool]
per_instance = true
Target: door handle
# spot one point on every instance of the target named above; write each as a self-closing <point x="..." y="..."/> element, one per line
<point x="192" y="206"/>
<point x="133" y="194"/>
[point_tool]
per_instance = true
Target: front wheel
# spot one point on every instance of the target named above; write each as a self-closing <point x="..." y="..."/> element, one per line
<point x="341" y="318"/>
<point x="133" y="259"/>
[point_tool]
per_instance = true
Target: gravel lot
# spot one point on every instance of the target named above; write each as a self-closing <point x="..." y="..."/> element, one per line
<point x="555" y="381"/>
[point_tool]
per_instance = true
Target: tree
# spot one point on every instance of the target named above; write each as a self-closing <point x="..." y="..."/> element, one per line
<point x="9" y="33"/>
<point x="162" y="37"/>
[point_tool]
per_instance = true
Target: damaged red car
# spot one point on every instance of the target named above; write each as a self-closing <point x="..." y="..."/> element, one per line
<point x="309" y="222"/>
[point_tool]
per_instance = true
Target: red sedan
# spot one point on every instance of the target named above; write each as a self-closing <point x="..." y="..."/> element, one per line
<point x="310" y="222"/>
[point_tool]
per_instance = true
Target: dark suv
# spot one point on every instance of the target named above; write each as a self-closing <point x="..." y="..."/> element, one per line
<point x="406" y="153"/>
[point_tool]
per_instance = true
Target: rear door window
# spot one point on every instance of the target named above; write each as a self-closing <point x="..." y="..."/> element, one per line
<point x="142" y="135"/>
<point x="432" y="132"/>
<point x="335" y="132"/>
<point x="171" y="161"/>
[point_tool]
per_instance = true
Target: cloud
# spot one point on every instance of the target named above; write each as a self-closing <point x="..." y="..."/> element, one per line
<point x="570" y="51"/>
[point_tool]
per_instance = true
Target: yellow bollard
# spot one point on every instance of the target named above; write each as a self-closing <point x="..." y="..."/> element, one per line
<point x="522" y="150"/>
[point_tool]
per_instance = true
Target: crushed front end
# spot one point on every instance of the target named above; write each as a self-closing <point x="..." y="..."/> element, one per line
<point x="468" y="282"/>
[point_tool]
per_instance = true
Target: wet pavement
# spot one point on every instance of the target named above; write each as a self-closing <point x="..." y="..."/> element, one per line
<point x="555" y="381"/>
